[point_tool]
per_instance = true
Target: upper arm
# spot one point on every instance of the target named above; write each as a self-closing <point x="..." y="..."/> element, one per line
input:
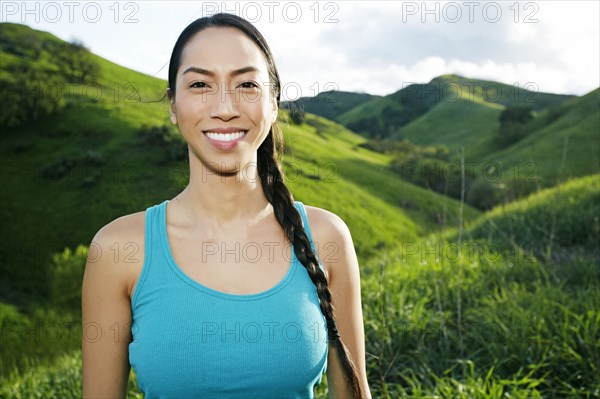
<point x="106" y="316"/>
<point x="334" y="242"/>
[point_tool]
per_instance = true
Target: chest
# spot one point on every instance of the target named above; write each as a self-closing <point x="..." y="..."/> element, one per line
<point x="244" y="263"/>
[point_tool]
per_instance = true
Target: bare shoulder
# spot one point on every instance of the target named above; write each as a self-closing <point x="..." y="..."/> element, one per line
<point x="120" y="246"/>
<point x="326" y="224"/>
<point x="333" y="240"/>
<point x="123" y="227"/>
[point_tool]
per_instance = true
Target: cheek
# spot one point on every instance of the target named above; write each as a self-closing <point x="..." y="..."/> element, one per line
<point x="190" y="109"/>
<point x="261" y="108"/>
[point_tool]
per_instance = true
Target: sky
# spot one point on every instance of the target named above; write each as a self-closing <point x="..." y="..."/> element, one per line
<point x="375" y="47"/>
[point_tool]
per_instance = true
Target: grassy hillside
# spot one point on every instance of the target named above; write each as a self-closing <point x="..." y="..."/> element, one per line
<point x="328" y="104"/>
<point x="548" y="222"/>
<point x="564" y="142"/>
<point x="503" y="161"/>
<point x="391" y="115"/>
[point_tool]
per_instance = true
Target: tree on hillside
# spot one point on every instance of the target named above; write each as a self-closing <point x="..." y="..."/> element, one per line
<point x="76" y="63"/>
<point x="513" y="124"/>
<point x="297" y="115"/>
<point x="30" y="94"/>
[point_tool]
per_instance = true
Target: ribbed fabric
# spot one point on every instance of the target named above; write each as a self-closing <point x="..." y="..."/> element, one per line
<point x="191" y="341"/>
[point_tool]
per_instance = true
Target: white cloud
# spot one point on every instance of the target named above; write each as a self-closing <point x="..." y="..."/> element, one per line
<point x="373" y="46"/>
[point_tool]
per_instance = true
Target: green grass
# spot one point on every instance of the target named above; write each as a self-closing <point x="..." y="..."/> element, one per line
<point x="559" y="217"/>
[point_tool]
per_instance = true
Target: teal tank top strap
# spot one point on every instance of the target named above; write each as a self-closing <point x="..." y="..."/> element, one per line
<point x="300" y="207"/>
<point x="152" y="248"/>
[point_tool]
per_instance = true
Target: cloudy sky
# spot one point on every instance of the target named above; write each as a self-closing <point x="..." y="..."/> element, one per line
<point x="375" y="47"/>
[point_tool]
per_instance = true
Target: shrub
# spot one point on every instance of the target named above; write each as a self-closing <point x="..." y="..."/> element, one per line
<point x="165" y="137"/>
<point x="31" y="93"/>
<point x="58" y="168"/>
<point x="93" y="158"/>
<point x="484" y="194"/>
<point x="91" y="180"/>
<point x="297" y="116"/>
<point x="513" y="125"/>
<point x="67" y="276"/>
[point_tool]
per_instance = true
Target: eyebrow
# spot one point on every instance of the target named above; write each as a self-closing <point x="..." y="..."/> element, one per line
<point x="212" y="74"/>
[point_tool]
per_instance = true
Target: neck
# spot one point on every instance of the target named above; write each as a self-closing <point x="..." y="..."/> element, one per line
<point x="224" y="199"/>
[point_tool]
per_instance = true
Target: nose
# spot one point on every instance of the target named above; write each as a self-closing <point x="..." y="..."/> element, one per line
<point x="225" y="104"/>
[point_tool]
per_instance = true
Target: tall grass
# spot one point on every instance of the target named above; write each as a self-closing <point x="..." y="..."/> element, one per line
<point x="525" y="335"/>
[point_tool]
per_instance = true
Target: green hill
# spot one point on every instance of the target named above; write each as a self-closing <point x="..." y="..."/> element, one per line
<point x="329" y="104"/>
<point x="564" y="142"/>
<point x="560" y="140"/>
<point x="559" y="218"/>
<point x="391" y="115"/>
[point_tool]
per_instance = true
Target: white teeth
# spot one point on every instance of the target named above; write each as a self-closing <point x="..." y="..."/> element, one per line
<point x="225" y="137"/>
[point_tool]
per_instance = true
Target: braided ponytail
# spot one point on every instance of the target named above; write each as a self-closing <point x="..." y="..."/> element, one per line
<point x="289" y="218"/>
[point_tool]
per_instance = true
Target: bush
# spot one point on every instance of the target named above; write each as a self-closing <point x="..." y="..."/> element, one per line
<point x="513" y="125"/>
<point x="58" y="168"/>
<point x="93" y="158"/>
<point x="165" y="137"/>
<point x="76" y="63"/>
<point x="485" y="194"/>
<point x="297" y="116"/>
<point x="156" y="135"/>
<point x="31" y="93"/>
<point x="91" y="180"/>
<point x="23" y="147"/>
<point x="66" y="278"/>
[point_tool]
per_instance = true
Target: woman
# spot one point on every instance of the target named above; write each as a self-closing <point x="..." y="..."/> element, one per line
<point x="230" y="299"/>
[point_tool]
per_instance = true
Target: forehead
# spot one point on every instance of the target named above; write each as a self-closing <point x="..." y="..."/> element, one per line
<point x="222" y="49"/>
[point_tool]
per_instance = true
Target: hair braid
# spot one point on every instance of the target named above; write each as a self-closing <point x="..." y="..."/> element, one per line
<point x="289" y="218"/>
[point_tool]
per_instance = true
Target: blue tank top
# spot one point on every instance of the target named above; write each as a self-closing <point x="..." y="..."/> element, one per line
<point x="191" y="341"/>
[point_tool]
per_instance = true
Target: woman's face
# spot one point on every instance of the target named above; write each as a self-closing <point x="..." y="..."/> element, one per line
<point x="223" y="83"/>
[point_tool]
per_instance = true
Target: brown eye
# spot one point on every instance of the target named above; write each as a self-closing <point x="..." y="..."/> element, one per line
<point x="198" y="85"/>
<point x="249" y="85"/>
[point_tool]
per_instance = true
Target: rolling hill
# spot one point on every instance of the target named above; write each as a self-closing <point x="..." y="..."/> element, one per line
<point x="564" y="142"/>
<point x="453" y="111"/>
<point x="328" y="104"/>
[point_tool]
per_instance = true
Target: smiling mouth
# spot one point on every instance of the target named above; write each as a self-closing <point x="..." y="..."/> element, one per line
<point x="225" y="137"/>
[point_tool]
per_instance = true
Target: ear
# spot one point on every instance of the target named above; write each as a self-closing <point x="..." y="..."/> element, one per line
<point x="172" y="107"/>
<point x="275" y="112"/>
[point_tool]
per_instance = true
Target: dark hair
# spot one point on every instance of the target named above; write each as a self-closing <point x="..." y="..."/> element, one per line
<point x="272" y="179"/>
